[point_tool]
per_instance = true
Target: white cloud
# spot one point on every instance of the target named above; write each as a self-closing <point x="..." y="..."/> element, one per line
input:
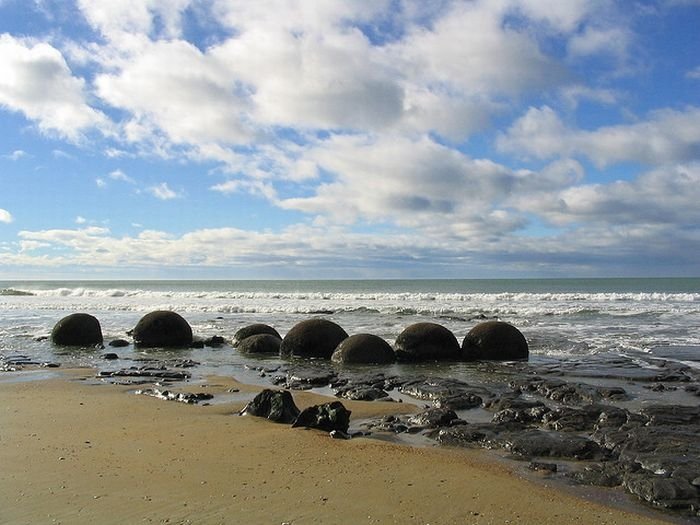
<point x="37" y="82"/>
<point x="80" y="220"/>
<point x="173" y="88"/>
<point x="121" y="176"/>
<point x="694" y="73"/>
<point x="16" y="155"/>
<point x="5" y="216"/>
<point x="115" y="18"/>
<point x="667" y="136"/>
<point x="163" y="192"/>
<point x="101" y="183"/>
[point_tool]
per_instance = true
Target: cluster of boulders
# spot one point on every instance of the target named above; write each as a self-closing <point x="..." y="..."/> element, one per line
<point x="314" y="338"/>
<point x="324" y="339"/>
<point x="279" y="406"/>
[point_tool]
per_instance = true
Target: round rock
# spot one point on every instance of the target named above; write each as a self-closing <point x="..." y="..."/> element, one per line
<point x="77" y="330"/>
<point x="363" y="348"/>
<point x="495" y="340"/>
<point x="163" y="328"/>
<point x="260" y="344"/>
<point x="313" y="338"/>
<point x="254" y="329"/>
<point x="426" y="342"/>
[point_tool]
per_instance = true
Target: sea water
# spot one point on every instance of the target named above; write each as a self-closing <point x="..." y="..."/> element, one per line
<point x="617" y="329"/>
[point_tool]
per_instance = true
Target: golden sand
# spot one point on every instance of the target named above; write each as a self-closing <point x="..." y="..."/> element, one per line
<point x="73" y="452"/>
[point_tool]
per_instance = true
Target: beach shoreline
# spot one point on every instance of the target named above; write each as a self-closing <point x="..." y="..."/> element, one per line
<point x="74" y="451"/>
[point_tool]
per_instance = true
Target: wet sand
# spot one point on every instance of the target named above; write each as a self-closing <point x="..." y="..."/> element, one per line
<point x="73" y="452"/>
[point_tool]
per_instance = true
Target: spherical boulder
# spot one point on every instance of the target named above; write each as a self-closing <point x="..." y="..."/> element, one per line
<point x="260" y="344"/>
<point x="426" y="342"/>
<point x="163" y="328"/>
<point x="77" y="330"/>
<point x="363" y="348"/>
<point x="313" y="338"/>
<point x="495" y="340"/>
<point x="253" y="329"/>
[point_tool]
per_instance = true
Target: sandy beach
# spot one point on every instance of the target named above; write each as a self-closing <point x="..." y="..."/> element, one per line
<point x="75" y="452"/>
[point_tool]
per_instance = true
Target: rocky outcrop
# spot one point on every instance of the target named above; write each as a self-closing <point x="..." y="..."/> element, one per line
<point x="363" y="348"/>
<point x="313" y="338"/>
<point x="495" y="340"/>
<point x="77" y="330"/>
<point x="426" y="342"/>
<point x="162" y="329"/>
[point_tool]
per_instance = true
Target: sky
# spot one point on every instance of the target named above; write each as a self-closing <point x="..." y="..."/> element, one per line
<point x="302" y="139"/>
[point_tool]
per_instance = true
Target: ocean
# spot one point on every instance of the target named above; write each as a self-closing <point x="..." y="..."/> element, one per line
<point x="598" y="329"/>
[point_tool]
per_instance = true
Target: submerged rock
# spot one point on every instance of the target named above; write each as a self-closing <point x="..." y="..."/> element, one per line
<point x="275" y="405"/>
<point x="77" y="330"/>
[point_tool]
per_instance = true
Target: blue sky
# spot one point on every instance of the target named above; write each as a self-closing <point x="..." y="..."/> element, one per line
<point x="349" y="139"/>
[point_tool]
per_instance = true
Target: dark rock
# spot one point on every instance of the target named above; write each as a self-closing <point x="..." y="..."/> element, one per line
<point x="360" y="393"/>
<point x="671" y="415"/>
<point x="480" y="434"/>
<point x="254" y="329"/>
<point x="77" y="330"/>
<point x="312" y="338"/>
<point x="606" y="474"/>
<point x="161" y="373"/>
<point x="162" y="329"/>
<point x="572" y="419"/>
<point x="527" y="416"/>
<point x="119" y="343"/>
<point x="328" y="417"/>
<point x="182" y="397"/>
<point x="568" y="393"/>
<point x="663" y="492"/>
<point x="339" y="434"/>
<point x="110" y="356"/>
<point x="436" y="388"/>
<point x="363" y="348"/>
<point x="433" y="418"/>
<point x="426" y="342"/>
<point x="305" y="379"/>
<point x="464" y="401"/>
<point x="539" y="466"/>
<point x="260" y="344"/>
<point x="197" y="343"/>
<point x="536" y="443"/>
<point x="495" y="340"/>
<point x="214" y="341"/>
<point x="275" y="405"/>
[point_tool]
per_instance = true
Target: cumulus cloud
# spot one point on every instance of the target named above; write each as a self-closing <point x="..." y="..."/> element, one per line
<point x="5" y="216"/>
<point x="37" y="82"/>
<point x="667" y="136"/>
<point x="121" y="176"/>
<point x="694" y="73"/>
<point x="16" y="155"/>
<point x="163" y="192"/>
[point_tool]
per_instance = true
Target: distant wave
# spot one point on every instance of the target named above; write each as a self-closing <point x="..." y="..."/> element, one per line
<point x="355" y="297"/>
<point x="12" y="291"/>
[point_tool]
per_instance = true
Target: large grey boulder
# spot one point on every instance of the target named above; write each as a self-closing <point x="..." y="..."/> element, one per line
<point x="77" y="330"/>
<point x="426" y="342"/>
<point x="254" y="329"/>
<point x="495" y="340"/>
<point x="162" y="329"/>
<point x="260" y="344"/>
<point x="313" y="338"/>
<point x="363" y="348"/>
